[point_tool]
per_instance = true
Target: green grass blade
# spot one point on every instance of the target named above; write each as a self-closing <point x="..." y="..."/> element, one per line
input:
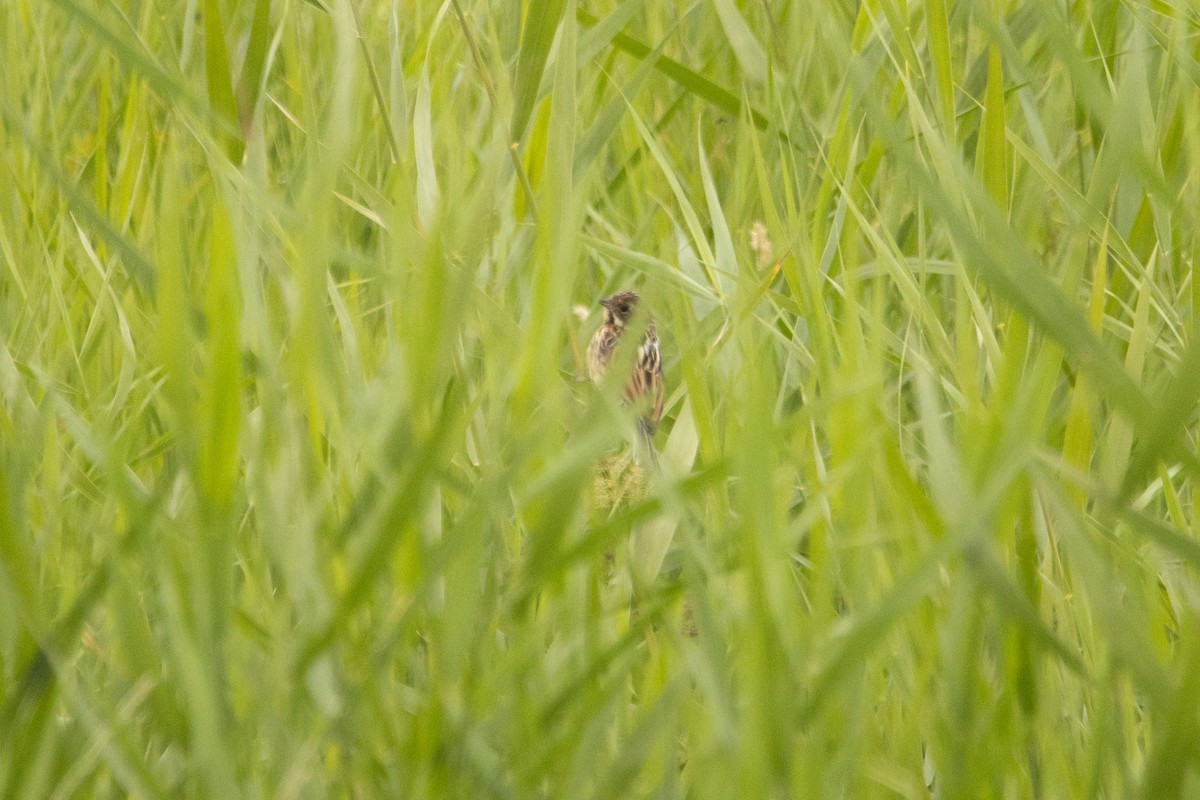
<point x="692" y="81"/>
<point x="992" y="144"/>
<point x="132" y="55"/>
<point x="250" y="81"/>
<point x="750" y="55"/>
<point x="220" y="404"/>
<point x="140" y="268"/>
<point x="537" y="35"/>
<point x="942" y="62"/>
<point x="219" y="74"/>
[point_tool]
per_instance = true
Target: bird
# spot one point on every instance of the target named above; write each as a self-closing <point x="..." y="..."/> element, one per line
<point x="644" y="386"/>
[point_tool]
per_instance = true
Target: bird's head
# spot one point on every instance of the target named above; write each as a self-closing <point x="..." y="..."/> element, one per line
<point x="618" y="309"/>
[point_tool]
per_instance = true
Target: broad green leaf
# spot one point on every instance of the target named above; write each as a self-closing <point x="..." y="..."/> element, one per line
<point x="537" y="35"/>
<point x="650" y="540"/>
<point x="220" y="407"/>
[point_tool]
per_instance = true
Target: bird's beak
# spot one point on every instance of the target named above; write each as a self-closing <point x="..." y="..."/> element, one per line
<point x="606" y="303"/>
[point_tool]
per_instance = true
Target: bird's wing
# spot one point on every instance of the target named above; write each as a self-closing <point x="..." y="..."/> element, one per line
<point x="600" y="351"/>
<point x="646" y="382"/>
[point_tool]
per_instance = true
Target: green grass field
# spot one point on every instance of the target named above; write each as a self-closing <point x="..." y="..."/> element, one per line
<point x="301" y="496"/>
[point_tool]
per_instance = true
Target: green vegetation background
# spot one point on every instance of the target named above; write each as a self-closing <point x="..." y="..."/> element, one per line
<point x="298" y="489"/>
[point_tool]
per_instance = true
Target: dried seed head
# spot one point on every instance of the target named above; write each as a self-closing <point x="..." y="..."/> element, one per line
<point x="760" y="243"/>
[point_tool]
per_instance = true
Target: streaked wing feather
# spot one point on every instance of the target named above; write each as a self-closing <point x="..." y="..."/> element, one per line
<point x="646" y="379"/>
<point x="647" y="382"/>
<point x="600" y="351"/>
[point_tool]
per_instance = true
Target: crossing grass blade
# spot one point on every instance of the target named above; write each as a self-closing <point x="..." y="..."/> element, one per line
<point x="691" y="80"/>
<point x="132" y="55"/>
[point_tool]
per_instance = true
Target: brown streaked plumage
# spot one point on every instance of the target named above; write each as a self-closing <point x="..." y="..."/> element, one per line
<point x="646" y="379"/>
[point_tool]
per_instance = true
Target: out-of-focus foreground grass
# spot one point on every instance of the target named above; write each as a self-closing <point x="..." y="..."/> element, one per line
<point x="298" y="488"/>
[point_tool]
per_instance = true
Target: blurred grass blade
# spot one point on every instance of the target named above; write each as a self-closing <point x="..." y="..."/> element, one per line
<point x="691" y="218"/>
<point x="992" y="143"/>
<point x="219" y="75"/>
<point x="689" y="79"/>
<point x="947" y="480"/>
<point x="723" y="251"/>
<point x="1121" y="434"/>
<point x="1003" y="262"/>
<point x="595" y="141"/>
<point x="1161" y="533"/>
<point x="556" y="242"/>
<point x="132" y="57"/>
<point x="648" y="544"/>
<point x="657" y="268"/>
<point x="381" y="102"/>
<point x="537" y="36"/>
<point x="221" y="396"/>
<point x="1078" y="443"/>
<point x="1176" y="407"/>
<point x="1013" y="603"/>
<point x="600" y="35"/>
<point x="258" y="46"/>
<point x="397" y="95"/>
<point x="746" y="48"/>
<point x="683" y="442"/>
<point x="428" y="191"/>
<point x="943" y="64"/>
<point x="1174" y="746"/>
<point x="139" y="267"/>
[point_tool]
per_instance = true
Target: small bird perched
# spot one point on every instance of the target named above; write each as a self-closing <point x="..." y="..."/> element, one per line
<point x="645" y="384"/>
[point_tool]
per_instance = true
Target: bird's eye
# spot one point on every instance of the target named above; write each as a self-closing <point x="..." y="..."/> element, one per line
<point x="624" y="308"/>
